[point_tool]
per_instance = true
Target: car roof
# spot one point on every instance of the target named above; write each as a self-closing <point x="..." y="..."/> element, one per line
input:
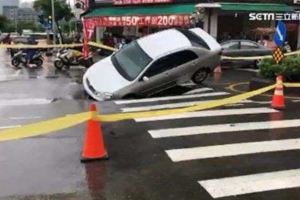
<point x="162" y="42"/>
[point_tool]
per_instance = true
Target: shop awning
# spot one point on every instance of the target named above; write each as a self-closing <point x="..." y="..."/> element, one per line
<point x="256" y="7"/>
<point x="170" y="9"/>
<point x="154" y="15"/>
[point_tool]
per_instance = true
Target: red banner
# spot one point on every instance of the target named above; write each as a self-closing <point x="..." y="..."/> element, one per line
<point x="128" y="2"/>
<point x="160" y="21"/>
<point x="88" y="30"/>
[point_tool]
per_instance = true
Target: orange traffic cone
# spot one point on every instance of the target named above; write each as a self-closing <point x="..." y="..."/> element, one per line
<point x="278" y="98"/>
<point x="93" y="148"/>
<point x="218" y="69"/>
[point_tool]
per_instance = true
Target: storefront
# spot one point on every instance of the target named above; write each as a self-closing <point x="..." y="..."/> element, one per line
<point x="226" y="20"/>
<point x="132" y="19"/>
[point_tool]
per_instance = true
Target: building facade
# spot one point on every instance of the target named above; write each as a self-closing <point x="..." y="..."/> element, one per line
<point x="7" y="3"/>
<point x="27" y="14"/>
<point x="10" y="12"/>
<point x="223" y="20"/>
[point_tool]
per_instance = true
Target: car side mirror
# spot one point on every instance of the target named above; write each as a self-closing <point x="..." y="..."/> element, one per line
<point x="145" y="78"/>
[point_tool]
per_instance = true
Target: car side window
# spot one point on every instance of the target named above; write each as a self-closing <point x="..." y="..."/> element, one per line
<point x="248" y="45"/>
<point x="231" y="45"/>
<point x="170" y="61"/>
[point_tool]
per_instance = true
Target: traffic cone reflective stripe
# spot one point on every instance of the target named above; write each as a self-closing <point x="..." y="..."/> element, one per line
<point x="218" y="69"/>
<point x="278" y="97"/>
<point x="94" y="148"/>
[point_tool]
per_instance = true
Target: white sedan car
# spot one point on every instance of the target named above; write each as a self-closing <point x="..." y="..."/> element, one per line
<point x="153" y="63"/>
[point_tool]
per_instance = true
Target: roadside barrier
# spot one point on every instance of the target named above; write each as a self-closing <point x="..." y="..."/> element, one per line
<point x="68" y="121"/>
<point x="93" y="148"/>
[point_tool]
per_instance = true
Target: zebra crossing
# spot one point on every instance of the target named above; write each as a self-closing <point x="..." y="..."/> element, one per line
<point x="251" y="118"/>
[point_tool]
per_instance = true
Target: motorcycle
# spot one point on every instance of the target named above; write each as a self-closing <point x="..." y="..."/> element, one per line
<point x="21" y="58"/>
<point x="68" y="57"/>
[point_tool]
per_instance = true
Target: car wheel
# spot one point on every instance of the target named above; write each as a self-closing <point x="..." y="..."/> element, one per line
<point x="200" y="75"/>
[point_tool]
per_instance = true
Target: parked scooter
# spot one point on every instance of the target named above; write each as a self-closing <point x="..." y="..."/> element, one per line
<point x="21" y="57"/>
<point x="69" y="57"/>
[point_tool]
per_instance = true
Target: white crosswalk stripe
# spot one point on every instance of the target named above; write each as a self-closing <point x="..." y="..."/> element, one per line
<point x="199" y="90"/>
<point x="187" y="84"/>
<point x="194" y="153"/>
<point x="247" y="184"/>
<point x="168" y="98"/>
<point x="222" y="128"/>
<point x="230" y="185"/>
<point x="209" y="113"/>
<point x="23" y="102"/>
<point x="170" y="105"/>
<point x="171" y="98"/>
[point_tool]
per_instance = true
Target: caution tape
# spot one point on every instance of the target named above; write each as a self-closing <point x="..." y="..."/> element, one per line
<point x="44" y="127"/>
<point x="57" y="124"/>
<point x="49" y="46"/>
<point x="246" y="57"/>
<point x="102" y="46"/>
<point x="39" y="46"/>
<point x="200" y="106"/>
<point x="291" y="84"/>
<point x="257" y="57"/>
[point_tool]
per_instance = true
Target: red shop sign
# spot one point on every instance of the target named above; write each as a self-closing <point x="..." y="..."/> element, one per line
<point x="160" y="20"/>
<point x="128" y="2"/>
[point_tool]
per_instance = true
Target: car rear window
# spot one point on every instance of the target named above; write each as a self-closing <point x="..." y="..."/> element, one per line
<point x="194" y="39"/>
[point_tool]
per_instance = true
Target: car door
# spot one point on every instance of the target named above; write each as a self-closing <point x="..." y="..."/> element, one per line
<point x="254" y="49"/>
<point x="249" y="48"/>
<point x="162" y="73"/>
<point x="231" y="48"/>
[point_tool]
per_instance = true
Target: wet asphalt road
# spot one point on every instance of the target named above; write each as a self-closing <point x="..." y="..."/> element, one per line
<point x="48" y="166"/>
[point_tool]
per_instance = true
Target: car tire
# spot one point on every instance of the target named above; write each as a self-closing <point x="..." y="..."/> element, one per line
<point x="200" y="75"/>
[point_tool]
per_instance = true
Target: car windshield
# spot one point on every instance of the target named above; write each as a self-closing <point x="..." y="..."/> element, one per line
<point x="131" y="60"/>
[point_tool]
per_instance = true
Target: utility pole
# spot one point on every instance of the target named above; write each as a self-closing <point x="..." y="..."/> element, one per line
<point x="53" y="22"/>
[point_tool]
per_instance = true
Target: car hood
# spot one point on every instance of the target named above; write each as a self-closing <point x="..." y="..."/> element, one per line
<point x="104" y="77"/>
